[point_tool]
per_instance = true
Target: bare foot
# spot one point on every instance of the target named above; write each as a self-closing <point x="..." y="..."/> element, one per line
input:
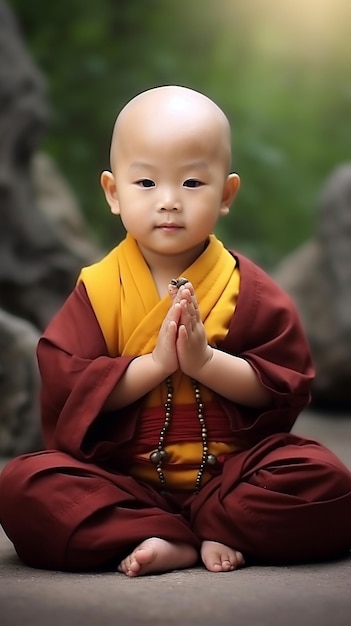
<point x="158" y="555"/>
<point x="218" y="557"/>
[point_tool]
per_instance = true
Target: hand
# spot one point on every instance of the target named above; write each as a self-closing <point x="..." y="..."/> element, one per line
<point x="192" y="347"/>
<point x="165" y="353"/>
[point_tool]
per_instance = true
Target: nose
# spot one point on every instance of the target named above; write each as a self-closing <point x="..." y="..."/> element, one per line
<point x="169" y="201"/>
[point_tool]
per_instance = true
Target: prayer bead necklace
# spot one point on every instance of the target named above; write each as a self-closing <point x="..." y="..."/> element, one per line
<point x="159" y="456"/>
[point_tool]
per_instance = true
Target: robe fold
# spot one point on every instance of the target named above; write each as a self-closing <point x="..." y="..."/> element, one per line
<point x="81" y="511"/>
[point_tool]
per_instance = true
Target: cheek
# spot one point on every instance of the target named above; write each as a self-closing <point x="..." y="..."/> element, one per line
<point x="133" y="215"/>
<point x="206" y="205"/>
<point x="130" y="202"/>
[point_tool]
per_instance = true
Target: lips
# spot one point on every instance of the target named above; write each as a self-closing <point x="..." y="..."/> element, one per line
<point x="169" y="226"/>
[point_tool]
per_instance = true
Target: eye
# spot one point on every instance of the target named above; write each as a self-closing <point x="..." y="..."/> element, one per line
<point x="145" y="182"/>
<point x="192" y="183"/>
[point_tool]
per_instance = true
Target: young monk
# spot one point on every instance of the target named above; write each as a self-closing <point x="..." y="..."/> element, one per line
<point x="171" y="379"/>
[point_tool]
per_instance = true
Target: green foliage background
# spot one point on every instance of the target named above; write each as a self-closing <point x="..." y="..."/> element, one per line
<point x="280" y="70"/>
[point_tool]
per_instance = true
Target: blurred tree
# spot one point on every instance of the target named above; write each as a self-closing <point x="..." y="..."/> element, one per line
<point x="279" y="70"/>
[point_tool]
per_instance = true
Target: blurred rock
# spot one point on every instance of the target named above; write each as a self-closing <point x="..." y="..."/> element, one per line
<point x="318" y="277"/>
<point x="19" y="386"/>
<point x="54" y="198"/>
<point x="38" y="262"/>
<point x="44" y="240"/>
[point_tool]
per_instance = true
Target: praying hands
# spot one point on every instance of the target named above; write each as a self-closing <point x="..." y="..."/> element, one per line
<point x="192" y="346"/>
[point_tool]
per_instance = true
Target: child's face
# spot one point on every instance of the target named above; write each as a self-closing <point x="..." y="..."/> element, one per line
<point x="170" y="182"/>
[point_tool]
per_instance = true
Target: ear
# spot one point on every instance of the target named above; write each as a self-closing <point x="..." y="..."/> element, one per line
<point x="230" y="189"/>
<point x="109" y="186"/>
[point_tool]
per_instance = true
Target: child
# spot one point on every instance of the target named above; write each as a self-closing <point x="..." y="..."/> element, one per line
<point x="167" y="402"/>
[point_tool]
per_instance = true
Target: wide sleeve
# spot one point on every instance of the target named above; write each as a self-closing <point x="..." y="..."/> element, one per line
<point x="267" y="332"/>
<point x="77" y="376"/>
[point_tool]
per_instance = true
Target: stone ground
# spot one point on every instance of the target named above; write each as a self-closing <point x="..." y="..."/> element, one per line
<point x="301" y="595"/>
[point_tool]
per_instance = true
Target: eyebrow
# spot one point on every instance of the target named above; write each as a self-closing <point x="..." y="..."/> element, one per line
<point x="194" y="164"/>
<point x="137" y="164"/>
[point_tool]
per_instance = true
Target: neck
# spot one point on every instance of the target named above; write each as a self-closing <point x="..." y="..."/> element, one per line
<point x="171" y="266"/>
<point x="165" y="267"/>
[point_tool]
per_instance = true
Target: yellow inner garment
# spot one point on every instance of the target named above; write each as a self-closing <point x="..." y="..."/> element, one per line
<point x="129" y="310"/>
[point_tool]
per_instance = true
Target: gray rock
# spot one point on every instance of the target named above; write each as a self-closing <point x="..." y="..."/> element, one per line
<point x="318" y="277"/>
<point x="19" y="386"/>
<point x="56" y="201"/>
<point x="44" y="240"/>
<point x="38" y="264"/>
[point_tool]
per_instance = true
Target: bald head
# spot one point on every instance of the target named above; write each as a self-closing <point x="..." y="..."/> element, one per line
<point x="170" y="114"/>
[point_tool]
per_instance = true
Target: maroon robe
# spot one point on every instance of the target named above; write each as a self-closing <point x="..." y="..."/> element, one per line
<point x="284" y="499"/>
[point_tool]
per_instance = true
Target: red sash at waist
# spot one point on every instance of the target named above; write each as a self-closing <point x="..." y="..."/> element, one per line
<point x="184" y="426"/>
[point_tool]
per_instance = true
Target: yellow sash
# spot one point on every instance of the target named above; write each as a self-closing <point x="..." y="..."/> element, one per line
<point x="129" y="310"/>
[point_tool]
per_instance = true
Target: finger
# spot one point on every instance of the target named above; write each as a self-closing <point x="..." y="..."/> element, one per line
<point x="185" y="312"/>
<point x="172" y="290"/>
<point x="174" y="312"/>
<point x="171" y="331"/>
<point x="188" y="317"/>
<point x="173" y="316"/>
<point x="191" y="308"/>
<point x="183" y="335"/>
<point x="188" y="292"/>
<point x="175" y="293"/>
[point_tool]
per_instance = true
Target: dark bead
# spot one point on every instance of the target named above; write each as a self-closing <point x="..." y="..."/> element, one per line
<point x="211" y="459"/>
<point x="164" y="455"/>
<point x="155" y="457"/>
<point x="181" y="281"/>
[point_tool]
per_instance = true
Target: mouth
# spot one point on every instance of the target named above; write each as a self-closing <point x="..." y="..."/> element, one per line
<point x="169" y="226"/>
